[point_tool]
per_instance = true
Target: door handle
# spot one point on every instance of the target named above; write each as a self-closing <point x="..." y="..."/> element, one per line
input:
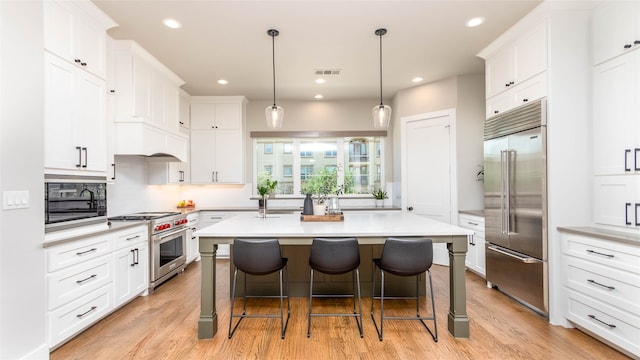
<point x="86" y="155"/>
<point x="626" y="213"/>
<point x="626" y="166"/>
<point x="635" y="159"/>
<point x="114" y="171"/>
<point x="79" y="164"/>
<point x="410" y="208"/>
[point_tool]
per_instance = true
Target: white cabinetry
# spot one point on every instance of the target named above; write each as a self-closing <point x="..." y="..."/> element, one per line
<point x="511" y="66"/>
<point x="217" y="140"/>
<point x="616" y="129"/>
<point x="602" y="285"/>
<point x="131" y="264"/>
<point x="475" y="260"/>
<point x="211" y="217"/>
<point x="147" y="97"/>
<point x="616" y="29"/>
<point x="193" y="248"/>
<point x="90" y="277"/>
<point x="79" y="286"/>
<point x="74" y="88"/>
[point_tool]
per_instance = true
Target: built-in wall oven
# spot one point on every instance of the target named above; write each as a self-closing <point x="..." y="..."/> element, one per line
<point x="168" y="240"/>
<point x="72" y="201"/>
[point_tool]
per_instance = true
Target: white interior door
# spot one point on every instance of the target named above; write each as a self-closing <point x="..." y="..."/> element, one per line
<point x="428" y="159"/>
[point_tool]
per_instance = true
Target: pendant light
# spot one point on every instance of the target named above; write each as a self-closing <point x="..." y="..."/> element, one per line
<point x="381" y="113"/>
<point x="274" y="113"/>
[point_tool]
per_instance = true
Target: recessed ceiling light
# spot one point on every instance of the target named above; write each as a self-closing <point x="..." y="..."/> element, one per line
<point x="476" y="21"/>
<point x="223" y="82"/>
<point x="172" y="23"/>
<point x="319" y="96"/>
<point x="417" y="79"/>
<point x="320" y="81"/>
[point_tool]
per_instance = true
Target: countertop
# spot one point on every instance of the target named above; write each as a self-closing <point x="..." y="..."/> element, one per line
<point x="63" y="236"/>
<point x="472" y="212"/>
<point x="274" y="209"/>
<point x="620" y="236"/>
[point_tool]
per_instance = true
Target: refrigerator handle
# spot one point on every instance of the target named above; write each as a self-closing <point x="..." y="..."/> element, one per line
<point x="511" y="218"/>
<point x="503" y="166"/>
<point x="524" y="259"/>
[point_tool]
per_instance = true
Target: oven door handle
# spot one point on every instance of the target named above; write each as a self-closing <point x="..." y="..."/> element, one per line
<point x="160" y="236"/>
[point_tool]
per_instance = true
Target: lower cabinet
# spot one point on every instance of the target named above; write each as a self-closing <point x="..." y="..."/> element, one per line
<point x="211" y="217"/>
<point x="193" y="248"/>
<point x="601" y="278"/>
<point x="475" y="260"/>
<point x="90" y="277"/>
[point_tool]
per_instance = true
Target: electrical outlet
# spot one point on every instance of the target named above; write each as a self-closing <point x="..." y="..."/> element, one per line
<point x="15" y="199"/>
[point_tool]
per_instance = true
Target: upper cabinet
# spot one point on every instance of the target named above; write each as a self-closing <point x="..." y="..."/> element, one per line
<point x="76" y="32"/>
<point x="520" y="60"/>
<point x="74" y="88"/>
<point x="224" y="115"/>
<point x="146" y="103"/>
<point x="616" y="29"/>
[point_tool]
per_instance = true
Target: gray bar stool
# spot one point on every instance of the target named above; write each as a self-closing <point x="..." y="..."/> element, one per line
<point x="258" y="257"/>
<point x="335" y="256"/>
<point x="404" y="257"/>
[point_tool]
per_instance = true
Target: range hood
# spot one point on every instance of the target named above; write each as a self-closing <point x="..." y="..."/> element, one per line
<point x="145" y="140"/>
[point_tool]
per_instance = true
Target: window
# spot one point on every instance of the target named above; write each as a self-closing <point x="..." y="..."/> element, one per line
<point x="354" y="164"/>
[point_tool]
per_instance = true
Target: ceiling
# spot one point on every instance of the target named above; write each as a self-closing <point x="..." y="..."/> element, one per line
<point x="225" y="39"/>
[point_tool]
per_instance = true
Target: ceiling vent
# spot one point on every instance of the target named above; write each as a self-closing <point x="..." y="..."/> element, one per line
<point x="324" y="72"/>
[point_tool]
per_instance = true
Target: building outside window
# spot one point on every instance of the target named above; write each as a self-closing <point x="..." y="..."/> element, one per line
<point x="355" y="163"/>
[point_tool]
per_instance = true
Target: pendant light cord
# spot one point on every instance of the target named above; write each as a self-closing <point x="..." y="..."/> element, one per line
<point x="273" y="62"/>
<point x="381" y="69"/>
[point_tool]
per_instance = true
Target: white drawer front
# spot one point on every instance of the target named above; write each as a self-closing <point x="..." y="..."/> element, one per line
<point x="72" y="253"/>
<point x="131" y="236"/>
<point x="606" y="252"/>
<point x="474" y="223"/>
<point x="74" y="282"/>
<point x="621" y="328"/>
<point x="609" y="285"/>
<point x="71" y="318"/>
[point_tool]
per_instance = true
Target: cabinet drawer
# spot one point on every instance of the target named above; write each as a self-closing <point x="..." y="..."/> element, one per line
<point x="74" y="282"/>
<point x="73" y="317"/>
<point x="72" y="253"/>
<point x="606" y="284"/>
<point x="474" y="223"/>
<point x="597" y="317"/>
<point x="131" y="236"/>
<point x="606" y="252"/>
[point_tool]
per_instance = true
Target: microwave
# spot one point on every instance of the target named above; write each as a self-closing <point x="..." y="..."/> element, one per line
<point x="73" y="201"/>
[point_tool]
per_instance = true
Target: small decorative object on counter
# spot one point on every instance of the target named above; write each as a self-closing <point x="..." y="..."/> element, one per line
<point x="186" y="204"/>
<point x="380" y="195"/>
<point x="333" y="205"/>
<point x="319" y="209"/>
<point x="265" y="187"/>
<point x="308" y="205"/>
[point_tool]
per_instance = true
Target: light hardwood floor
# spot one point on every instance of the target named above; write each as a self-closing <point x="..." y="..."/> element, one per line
<point x="163" y="325"/>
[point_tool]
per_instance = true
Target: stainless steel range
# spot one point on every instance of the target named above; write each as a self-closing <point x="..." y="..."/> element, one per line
<point x="168" y="236"/>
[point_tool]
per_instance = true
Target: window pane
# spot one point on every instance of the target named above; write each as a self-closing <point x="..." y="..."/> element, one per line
<point x="358" y="162"/>
<point x="271" y="162"/>
<point x="313" y="159"/>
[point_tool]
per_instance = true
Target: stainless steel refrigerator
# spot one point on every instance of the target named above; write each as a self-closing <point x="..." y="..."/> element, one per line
<point x="515" y="204"/>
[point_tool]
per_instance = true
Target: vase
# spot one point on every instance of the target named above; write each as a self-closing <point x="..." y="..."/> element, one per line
<point x="379" y="203"/>
<point x="307" y="209"/>
<point x="262" y="207"/>
<point x="319" y="209"/>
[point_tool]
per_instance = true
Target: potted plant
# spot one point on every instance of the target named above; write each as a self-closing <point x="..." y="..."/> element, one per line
<point x="379" y="195"/>
<point x="320" y="186"/>
<point x="265" y="187"/>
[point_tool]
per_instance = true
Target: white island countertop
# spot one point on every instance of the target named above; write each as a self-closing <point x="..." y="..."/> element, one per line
<point x="359" y="225"/>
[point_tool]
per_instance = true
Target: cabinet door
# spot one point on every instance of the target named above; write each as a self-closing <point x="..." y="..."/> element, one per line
<point x="500" y="71"/>
<point x="229" y="154"/>
<point x="141" y="89"/>
<point x="532" y="89"/>
<point x="531" y="54"/>
<point x="179" y="173"/>
<point x="614" y="27"/>
<point x="58" y="29"/>
<point x="172" y="108"/>
<point x="91" y="121"/>
<point x="184" y="113"/>
<point x="617" y="200"/>
<point x="59" y="84"/>
<point x="90" y="46"/>
<point x="131" y="272"/>
<point x="158" y="115"/>
<point x="615" y="125"/>
<point x="500" y="103"/>
<point x="228" y="116"/>
<point x="203" y="116"/>
<point x="202" y="155"/>
<point x="140" y="272"/>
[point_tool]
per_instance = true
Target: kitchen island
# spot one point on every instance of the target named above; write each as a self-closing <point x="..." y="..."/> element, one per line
<point x="368" y="228"/>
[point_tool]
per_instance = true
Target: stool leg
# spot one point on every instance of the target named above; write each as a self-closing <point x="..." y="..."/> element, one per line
<point x="433" y="307"/>
<point x="310" y="300"/>
<point x="233" y="297"/>
<point x="417" y="296"/>
<point x="359" y="304"/>
<point x="381" y="303"/>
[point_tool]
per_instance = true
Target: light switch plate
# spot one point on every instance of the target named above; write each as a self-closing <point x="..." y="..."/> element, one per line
<point x="15" y="199"/>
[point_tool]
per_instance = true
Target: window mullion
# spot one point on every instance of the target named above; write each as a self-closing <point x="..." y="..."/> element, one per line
<point x="295" y="148"/>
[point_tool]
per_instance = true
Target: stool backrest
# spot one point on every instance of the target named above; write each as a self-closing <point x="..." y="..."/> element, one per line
<point x="407" y="256"/>
<point x="257" y="256"/>
<point x="334" y="255"/>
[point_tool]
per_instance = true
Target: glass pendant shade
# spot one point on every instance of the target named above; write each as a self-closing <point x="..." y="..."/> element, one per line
<point x="381" y="116"/>
<point x="274" y="115"/>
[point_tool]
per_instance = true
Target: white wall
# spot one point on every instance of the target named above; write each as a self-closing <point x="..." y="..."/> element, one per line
<point x="22" y="282"/>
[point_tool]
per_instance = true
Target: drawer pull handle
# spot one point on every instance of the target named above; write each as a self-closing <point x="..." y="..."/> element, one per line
<point x="93" y="308"/>
<point x="86" y="251"/>
<point x="603" y="285"/>
<point x="134" y="237"/>
<point x="610" y="256"/>
<point x="472" y="223"/>
<point x="86" y="279"/>
<point x="611" y="326"/>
